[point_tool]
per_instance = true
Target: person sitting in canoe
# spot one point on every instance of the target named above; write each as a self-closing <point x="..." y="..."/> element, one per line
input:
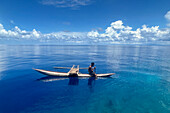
<point x="91" y="69"/>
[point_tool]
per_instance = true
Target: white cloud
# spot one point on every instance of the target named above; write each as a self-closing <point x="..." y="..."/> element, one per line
<point x="117" y="25"/>
<point x="1" y="27"/>
<point x="167" y="15"/>
<point x="17" y="33"/>
<point x="35" y="33"/>
<point x="66" y="3"/>
<point x="93" y="34"/>
<point x="117" y="32"/>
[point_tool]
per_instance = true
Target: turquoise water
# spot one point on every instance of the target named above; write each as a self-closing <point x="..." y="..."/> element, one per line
<point x="141" y="83"/>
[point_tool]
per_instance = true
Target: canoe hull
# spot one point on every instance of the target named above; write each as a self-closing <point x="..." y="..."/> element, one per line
<point x="61" y="74"/>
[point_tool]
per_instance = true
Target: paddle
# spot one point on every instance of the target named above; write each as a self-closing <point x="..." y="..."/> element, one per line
<point x="62" y="67"/>
<point x="66" y="68"/>
<point x="83" y="68"/>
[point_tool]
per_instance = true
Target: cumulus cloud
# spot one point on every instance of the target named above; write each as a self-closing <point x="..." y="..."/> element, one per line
<point x="117" y="32"/>
<point x="23" y="36"/>
<point x="66" y="3"/>
<point x="167" y="17"/>
<point x="17" y="33"/>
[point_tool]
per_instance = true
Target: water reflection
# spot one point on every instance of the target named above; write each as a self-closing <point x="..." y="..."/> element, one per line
<point x="73" y="80"/>
<point x="50" y="79"/>
<point x="91" y="83"/>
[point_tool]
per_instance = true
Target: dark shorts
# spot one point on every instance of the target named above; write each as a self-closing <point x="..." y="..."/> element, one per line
<point x="92" y="73"/>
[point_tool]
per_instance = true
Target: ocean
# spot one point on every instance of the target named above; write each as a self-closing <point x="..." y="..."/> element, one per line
<point x="141" y="83"/>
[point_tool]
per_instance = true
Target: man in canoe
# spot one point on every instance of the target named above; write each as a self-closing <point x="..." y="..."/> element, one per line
<point x="91" y="69"/>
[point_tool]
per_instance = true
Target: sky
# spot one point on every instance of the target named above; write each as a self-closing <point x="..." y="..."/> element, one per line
<point x="84" y="21"/>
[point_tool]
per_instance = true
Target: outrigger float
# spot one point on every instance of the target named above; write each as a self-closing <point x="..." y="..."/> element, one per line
<point x="74" y="71"/>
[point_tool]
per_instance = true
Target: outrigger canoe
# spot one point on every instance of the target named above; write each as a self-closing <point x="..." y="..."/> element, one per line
<point x="73" y="72"/>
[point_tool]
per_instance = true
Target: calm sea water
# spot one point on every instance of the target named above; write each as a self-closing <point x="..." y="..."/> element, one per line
<point x="141" y="83"/>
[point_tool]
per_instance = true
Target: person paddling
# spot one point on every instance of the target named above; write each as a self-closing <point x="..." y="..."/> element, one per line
<point x="91" y="69"/>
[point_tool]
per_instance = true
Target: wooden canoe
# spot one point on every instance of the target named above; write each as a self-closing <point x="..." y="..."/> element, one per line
<point x="62" y="74"/>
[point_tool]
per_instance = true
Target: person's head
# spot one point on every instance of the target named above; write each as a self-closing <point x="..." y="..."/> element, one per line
<point x="92" y="64"/>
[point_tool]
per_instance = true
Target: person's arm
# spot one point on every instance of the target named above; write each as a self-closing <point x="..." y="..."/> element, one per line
<point x="93" y="68"/>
